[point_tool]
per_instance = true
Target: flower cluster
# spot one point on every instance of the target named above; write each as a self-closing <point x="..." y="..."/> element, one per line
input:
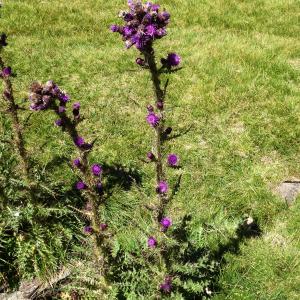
<point x="143" y="24"/>
<point x="42" y="96"/>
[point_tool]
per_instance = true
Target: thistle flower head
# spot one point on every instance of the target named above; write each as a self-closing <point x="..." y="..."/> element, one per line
<point x="173" y="59"/>
<point x="140" y="61"/>
<point x="103" y="226"/>
<point x="172" y="160"/>
<point x="162" y="187"/>
<point x="153" y="119"/>
<point x="79" y="141"/>
<point x="43" y="95"/>
<point x="150" y="156"/>
<point x="166" y="287"/>
<point x="96" y="169"/>
<point x="80" y="185"/>
<point x="166" y="222"/>
<point x="144" y="23"/>
<point x="61" y="109"/>
<point x="150" y="108"/>
<point x="76" y="105"/>
<point x="6" y="72"/>
<point x="77" y="162"/>
<point x="58" y="122"/>
<point x="152" y="243"/>
<point x="87" y="229"/>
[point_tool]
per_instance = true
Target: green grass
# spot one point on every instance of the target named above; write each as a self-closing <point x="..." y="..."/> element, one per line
<point x="238" y="90"/>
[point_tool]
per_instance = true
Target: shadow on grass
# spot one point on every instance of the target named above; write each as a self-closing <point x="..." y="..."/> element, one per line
<point x="212" y="262"/>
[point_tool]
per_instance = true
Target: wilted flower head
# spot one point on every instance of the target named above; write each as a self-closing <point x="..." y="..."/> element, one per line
<point x="143" y="24"/>
<point x="162" y="187"/>
<point x="172" y="160"/>
<point x="140" y="61"/>
<point x="96" y="169"/>
<point x="43" y="95"/>
<point x="153" y="119"/>
<point x="152" y="243"/>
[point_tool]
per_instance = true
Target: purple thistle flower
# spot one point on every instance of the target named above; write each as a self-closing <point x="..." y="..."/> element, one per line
<point x="114" y="28"/>
<point x="153" y="119"/>
<point x="140" y="61"/>
<point x="87" y="229"/>
<point x="76" y="105"/>
<point x="166" y="287"/>
<point x="96" y="169"/>
<point x="155" y="7"/>
<point x="6" y="72"/>
<point x="150" y="30"/>
<point x="80" y="185"/>
<point x="58" y="122"/>
<point x="152" y="243"/>
<point x="162" y="187"/>
<point x="103" y="226"/>
<point x="127" y="31"/>
<point x="161" y="32"/>
<point x="166" y="15"/>
<point x="64" y="98"/>
<point x="150" y="156"/>
<point x="128" y="17"/>
<point x="172" y="160"/>
<point x="143" y="24"/>
<point x="173" y="59"/>
<point x="166" y="223"/>
<point x="79" y="141"/>
<point x="77" y="162"/>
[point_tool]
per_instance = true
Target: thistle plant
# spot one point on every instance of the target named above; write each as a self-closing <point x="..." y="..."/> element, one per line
<point x="49" y="96"/>
<point x="12" y="110"/>
<point x="145" y="23"/>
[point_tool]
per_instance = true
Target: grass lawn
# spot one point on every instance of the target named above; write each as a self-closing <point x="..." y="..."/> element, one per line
<point x="238" y="94"/>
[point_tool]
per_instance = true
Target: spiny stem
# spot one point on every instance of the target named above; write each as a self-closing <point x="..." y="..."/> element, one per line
<point x="92" y="196"/>
<point x="160" y="95"/>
